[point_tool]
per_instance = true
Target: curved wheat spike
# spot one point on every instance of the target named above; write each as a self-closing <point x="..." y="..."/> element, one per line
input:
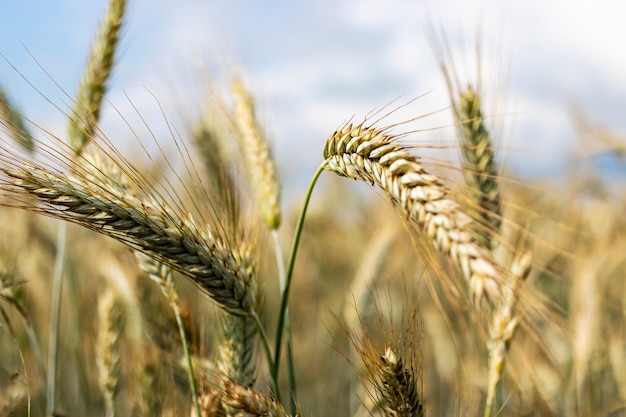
<point x="372" y="155"/>
<point x="151" y="227"/>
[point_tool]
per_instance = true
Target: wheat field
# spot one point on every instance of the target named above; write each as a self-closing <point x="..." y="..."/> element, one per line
<point x="181" y="283"/>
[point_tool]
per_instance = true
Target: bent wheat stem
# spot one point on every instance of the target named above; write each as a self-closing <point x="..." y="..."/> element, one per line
<point x="292" y="260"/>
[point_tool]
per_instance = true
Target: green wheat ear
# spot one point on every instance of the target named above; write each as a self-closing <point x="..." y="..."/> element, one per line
<point x="86" y="111"/>
<point x="480" y="169"/>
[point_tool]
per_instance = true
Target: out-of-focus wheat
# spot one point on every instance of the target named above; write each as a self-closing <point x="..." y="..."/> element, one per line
<point x="248" y="402"/>
<point x="13" y="122"/>
<point x="93" y="85"/>
<point x="257" y="155"/>
<point x="107" y="349"/>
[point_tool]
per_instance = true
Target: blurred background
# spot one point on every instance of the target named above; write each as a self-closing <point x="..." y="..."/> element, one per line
<point x="312" y="65"/>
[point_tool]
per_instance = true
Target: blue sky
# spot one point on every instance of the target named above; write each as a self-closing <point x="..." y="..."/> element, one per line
<point x="313" y="65"/>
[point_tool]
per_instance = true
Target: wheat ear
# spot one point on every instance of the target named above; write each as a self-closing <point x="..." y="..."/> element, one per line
<point x="209" y="138"/>
<point x="503" y="326"/>
<point x="398" y="386"/>
<point x="93" y="85"/>
<point x="257" y="155"/>
<point x="479" y="169"/>
<point x="150" y="227"/>
<point x="107" y="350"/>
<point x="250" y="403"/>
<point x="236" y="351"/>
<point x="13" y="121"/>
<point x="372" y="155"/>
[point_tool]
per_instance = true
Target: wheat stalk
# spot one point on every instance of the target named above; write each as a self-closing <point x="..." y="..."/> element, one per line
<point x="145" y="225"/>
<point x="372" y="155"/>
<point x="86" y="111"/>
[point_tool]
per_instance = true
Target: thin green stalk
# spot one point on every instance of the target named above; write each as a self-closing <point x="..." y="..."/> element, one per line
<point x="290" y="363"/>
<point x="280" y="263"/>
<point x="55" y="313"/>
<point x="268" y="353"/>
<point x="183" y="338"/>
<point x="288" y="280"/>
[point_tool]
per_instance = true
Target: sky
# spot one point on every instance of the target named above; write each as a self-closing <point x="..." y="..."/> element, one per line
<point x="314" y="65"/>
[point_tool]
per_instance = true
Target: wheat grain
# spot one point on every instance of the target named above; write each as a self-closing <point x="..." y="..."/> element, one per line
<point x="145" y="225"/>
<point x="371" y="155"/>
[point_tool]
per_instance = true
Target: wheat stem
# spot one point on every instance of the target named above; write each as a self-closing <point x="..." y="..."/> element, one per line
<point x="268" y="352"/>
<point x="291" y="369"/>
<point x="55" y="313"/>
<point x="292" y="260"/>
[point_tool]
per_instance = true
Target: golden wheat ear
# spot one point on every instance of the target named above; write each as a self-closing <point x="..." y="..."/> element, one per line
<point x="372" y="155"/>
